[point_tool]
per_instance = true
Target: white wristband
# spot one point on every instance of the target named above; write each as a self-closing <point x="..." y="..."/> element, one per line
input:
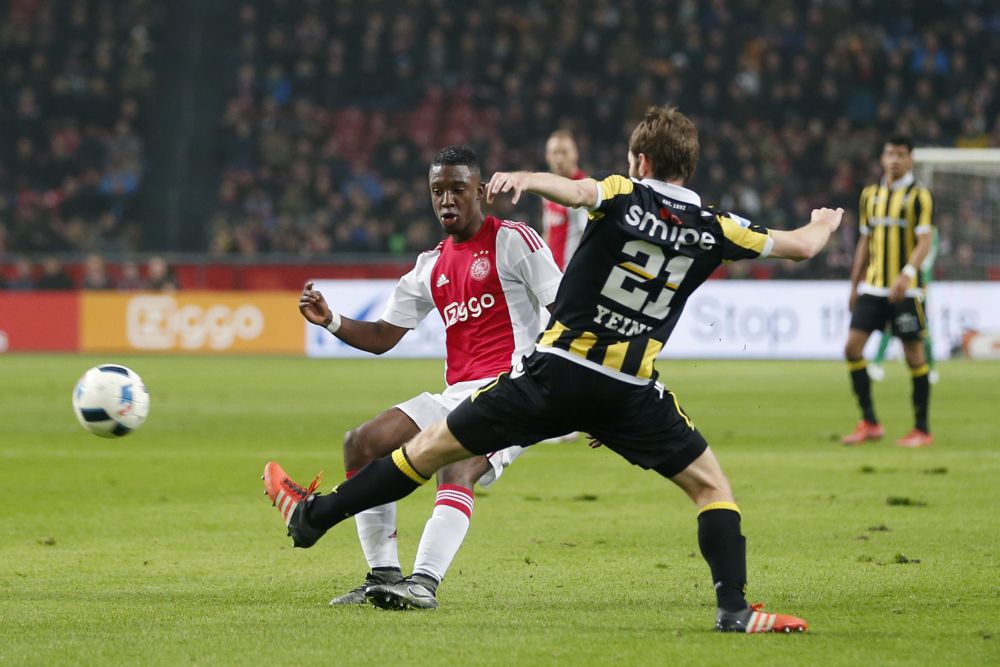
<point x="909" y="271"/>
<point x="334" y="324"/>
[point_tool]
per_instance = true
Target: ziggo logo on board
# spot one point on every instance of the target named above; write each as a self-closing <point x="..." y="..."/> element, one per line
<point x="160" y="323"/>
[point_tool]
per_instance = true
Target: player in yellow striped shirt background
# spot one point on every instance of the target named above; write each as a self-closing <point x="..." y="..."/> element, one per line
<point x="887" y="288"/>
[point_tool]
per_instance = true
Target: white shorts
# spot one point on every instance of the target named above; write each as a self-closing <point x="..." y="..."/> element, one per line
<point x="427" y="409"/>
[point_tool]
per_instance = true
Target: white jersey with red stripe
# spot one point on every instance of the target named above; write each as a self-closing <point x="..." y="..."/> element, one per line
<point x="563" y="228"/>
<point x="488" y="291"/>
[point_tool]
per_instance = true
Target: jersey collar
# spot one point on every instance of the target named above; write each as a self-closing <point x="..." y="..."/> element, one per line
<point x="904" y="182"/>
<point x="675" y="192"/>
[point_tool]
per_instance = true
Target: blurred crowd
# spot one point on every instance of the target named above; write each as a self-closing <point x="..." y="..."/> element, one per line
<point x="337" y="107"/>
<point x="93" y="273"/>
<point x="75" y="79"/>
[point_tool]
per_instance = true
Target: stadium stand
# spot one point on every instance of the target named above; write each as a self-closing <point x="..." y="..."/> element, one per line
<point x="75" y="80"/>
<point x="333" y="109"/>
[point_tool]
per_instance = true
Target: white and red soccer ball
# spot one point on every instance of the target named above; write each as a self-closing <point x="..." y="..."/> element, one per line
<point x="111" y="400"/>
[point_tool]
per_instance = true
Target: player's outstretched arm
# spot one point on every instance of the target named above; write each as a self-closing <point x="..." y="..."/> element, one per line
<point x="374" y="337"/>
<point x="806" y="242"/>
<point x="565" y="191"/>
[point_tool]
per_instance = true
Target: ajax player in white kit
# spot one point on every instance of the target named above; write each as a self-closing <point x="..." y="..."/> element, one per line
<point x="487" y="281"/>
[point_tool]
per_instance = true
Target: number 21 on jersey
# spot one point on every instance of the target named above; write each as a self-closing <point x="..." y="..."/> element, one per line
<point x="628" y="282"/>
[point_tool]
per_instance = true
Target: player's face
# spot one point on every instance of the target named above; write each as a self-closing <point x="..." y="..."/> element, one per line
<point x="561" y="156"/>
<point x="456" y="193"/>
<point x="896" y="160"/>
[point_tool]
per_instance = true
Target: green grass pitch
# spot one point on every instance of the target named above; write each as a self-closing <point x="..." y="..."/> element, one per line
<point x="160" y="548"/>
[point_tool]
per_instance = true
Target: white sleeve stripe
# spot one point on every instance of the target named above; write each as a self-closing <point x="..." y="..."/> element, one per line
<point x="768" y="245"/>
<point x="599" y="200"/>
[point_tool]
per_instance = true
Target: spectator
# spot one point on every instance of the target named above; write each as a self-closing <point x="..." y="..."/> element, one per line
<point x="159" y="275"/>
<point x="130" y="278"/>
<point x="23" y="275"/>
<point x="54" y="276"/>
<point x="95" y="274"/>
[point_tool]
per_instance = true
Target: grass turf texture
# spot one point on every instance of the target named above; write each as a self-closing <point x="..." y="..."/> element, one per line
<point x="160" y="548"/>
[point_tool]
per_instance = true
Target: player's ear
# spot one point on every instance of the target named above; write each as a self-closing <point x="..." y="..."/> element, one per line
<point x="645" y="166"/>
<point x="480" y="190"/>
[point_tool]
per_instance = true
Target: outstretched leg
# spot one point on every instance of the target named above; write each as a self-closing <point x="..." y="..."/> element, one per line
<point x="382" y="481"/>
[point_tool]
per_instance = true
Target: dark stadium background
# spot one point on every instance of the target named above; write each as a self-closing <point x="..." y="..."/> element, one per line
<point x="298" y="132"/>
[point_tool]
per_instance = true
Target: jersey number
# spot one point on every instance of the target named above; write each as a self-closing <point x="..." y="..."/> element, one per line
<point x="628" y="289"/>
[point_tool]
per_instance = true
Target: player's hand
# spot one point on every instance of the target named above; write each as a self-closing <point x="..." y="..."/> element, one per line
<point x="898" y="290"/>
<point x="504" y="181"/>
<point x="313" y="306"/>
<point x="827" y="216"/>
<point x="853" y="299"/>
<point x="593" y="442"/>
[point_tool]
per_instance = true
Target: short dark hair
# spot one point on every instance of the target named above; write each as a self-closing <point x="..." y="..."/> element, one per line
<point x="457" y="156"/>
<point x="901" y="140"/>
<point x="669" y="141"/>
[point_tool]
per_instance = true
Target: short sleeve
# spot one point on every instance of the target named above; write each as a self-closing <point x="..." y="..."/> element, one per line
<point x="863" y="227"/>
<point x="530" y="261"/>
<point x="609" y="191"/>
<point x="411" y="301"/>
<point x="539" y="272"/>
<point x="741" y="239"/>
<point x="924" y="211"/>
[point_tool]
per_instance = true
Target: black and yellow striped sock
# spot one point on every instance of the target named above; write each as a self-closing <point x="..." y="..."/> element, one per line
<point x="921" y="396"/>
<point x="382" y="481"/>
<point x="862" y="386"/>
<point x="725" y="550"/>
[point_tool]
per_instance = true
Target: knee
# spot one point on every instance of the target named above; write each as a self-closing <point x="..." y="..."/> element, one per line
<point x="714" y="490"/>
<point x="915" y="359"/>
<point x="359" y="449"/>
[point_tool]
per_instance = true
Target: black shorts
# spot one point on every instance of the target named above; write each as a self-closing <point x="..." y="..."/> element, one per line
<point x="872" y="313"/>
<point x="553" y="396"/>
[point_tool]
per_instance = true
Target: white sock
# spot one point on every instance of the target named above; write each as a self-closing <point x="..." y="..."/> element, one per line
<point x="445" y="530"/>
<point x="377" y="532"/>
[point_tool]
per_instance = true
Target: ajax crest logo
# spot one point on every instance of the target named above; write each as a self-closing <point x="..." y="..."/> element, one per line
<point x="480" y="267"/>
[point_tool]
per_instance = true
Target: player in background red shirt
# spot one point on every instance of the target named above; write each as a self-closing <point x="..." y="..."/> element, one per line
<point x="487" y="281"/>
<point x="562" y="227"/>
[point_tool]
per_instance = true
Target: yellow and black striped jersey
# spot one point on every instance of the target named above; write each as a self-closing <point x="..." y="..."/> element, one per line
<point x="892" y="217"/>
<point x="647" y="247"/>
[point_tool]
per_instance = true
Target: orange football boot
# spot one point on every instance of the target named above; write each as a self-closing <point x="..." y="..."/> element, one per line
<point x="754" y="619"/>
<point x="864" y="431"/>
<point x="288" y="497"/>
<point x="916" y="438"/>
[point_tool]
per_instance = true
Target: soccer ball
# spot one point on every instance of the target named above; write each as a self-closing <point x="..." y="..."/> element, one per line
<point x="111" y="401"/>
